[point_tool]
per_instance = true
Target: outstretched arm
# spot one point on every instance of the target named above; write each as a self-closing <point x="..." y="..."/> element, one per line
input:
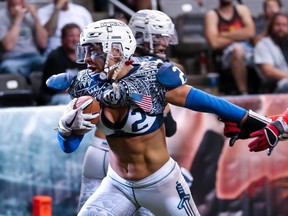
<point x="197" y="100"/>
<point x="239" y="122"/>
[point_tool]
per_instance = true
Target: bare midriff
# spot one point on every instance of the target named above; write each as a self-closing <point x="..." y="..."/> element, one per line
<point x="136" y="157"/>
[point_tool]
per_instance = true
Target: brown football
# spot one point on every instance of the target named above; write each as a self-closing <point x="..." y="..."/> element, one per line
<point x="94" y="107"/>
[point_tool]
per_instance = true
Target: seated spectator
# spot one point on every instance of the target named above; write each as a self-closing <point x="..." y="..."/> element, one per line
<point x="60" y="60"/>
<point x="21" y="38"/>
<point x="228" y="30"/>
<point x="270" y="7"/>
<point x="59" y="13"/>
<point x="271" y="54"/>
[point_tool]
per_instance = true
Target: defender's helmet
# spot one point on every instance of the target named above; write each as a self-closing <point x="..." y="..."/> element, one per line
<point x="108" y="33"/>
<point x="146" y="23"/>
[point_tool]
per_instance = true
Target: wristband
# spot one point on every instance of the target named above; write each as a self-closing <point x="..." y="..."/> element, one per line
<point x="70" y="143"/>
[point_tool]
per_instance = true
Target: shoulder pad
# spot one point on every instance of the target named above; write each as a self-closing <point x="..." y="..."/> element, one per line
<point x="170" y="76"/>
<point x="141" y="59"/>
<point x="60" y="81"/>
<point x="85" y="83"/>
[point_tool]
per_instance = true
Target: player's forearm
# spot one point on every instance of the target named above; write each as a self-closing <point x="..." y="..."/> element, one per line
<point x="69" y="143"/>
<point x="198" y="100"/>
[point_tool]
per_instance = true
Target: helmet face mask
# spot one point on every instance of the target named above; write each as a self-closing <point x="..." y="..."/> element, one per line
<point x="161" y="39"/>
<point x="89" y="50"/>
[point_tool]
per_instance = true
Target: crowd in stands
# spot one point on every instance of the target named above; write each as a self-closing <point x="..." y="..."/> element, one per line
<point x="43" y="39"/>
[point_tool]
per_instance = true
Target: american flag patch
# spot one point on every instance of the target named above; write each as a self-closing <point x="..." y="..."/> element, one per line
<point x="143" y="101"/>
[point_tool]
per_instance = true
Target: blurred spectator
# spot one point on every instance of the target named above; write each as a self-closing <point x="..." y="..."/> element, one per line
<point x="135" y="5"/>
<point x="62" y="59"/>
<point x="270" y="7"/>
<point x="138" y="4"/>
<point x="271" y="54"/>
<point x="21" y="38"/>
<point x="59" y="13"/>
<point x="228" y="30"/>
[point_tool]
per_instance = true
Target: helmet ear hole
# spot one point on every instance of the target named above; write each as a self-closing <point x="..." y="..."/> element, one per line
<point x="139" y="36"/>
<point x="117" y="50"/>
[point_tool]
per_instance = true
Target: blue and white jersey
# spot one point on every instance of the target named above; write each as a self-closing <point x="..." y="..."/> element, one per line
<point x="135" y="122"/>
<point x="144" y="86"/>
<point x="87" y="83"/>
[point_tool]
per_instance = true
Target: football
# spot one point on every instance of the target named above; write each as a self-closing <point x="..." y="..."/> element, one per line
<point x="94" y="107"/>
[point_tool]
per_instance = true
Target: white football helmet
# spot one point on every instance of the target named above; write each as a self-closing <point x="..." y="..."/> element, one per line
<point x="146" y="23"/>
<point x="109" y="33"/>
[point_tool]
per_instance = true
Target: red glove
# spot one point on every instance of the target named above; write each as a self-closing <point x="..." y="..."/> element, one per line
<point x="231" y="130"/>
<point x="268" y="137"/>
<point x="253" y="122"/>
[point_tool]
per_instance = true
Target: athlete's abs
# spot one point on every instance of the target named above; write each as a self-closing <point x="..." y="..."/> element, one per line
<point x="135" y="158"/>
<point x="136" y="140"/>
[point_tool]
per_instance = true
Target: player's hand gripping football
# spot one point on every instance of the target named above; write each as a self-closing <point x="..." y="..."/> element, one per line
<point x="75" y="119"/>
<point x="269" y="137"/>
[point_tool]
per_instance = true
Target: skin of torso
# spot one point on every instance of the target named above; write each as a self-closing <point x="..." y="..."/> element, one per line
<point x="136" y="157"/>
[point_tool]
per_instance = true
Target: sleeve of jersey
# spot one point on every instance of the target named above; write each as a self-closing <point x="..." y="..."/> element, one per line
<point x="170" y="76"/>
<point x="60" y="81"/>
<point x="198" y="100"/>
<point x="70" y="143"/>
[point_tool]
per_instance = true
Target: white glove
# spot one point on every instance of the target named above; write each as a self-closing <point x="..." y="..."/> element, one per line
<point x="75" y="119"/>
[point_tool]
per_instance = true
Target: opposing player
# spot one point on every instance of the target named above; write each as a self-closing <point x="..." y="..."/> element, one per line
<point x="141" y="172"/>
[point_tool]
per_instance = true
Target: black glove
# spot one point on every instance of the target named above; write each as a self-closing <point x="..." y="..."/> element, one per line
<point x="170" y="124"/>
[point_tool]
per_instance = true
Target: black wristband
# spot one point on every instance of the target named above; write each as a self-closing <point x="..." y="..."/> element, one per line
<point x="250" y="125"/>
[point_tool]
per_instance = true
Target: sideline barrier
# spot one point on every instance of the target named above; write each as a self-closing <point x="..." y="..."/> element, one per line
<point x="32" y="163"/>
<point x="231" y="181"/>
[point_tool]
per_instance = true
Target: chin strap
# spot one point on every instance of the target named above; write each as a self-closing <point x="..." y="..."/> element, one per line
<point x="107" y="69"/>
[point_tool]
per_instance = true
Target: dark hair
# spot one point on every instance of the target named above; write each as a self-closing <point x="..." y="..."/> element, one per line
<point x="266" y="2"/>
<point x="272" y="21"/>
<point x="67" y="27"/>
